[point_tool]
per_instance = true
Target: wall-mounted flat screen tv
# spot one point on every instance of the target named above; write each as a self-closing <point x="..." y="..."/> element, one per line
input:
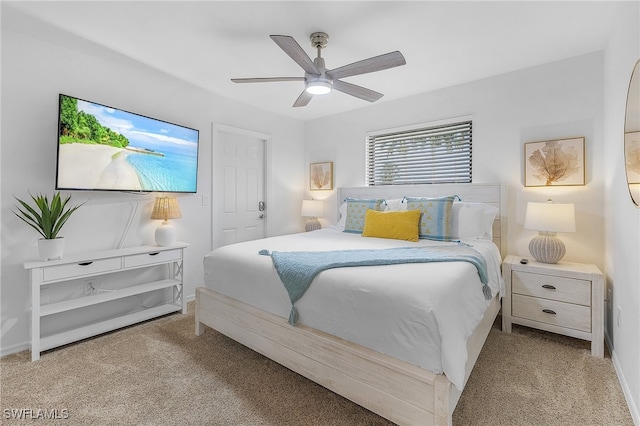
<point x="101" y="148"/>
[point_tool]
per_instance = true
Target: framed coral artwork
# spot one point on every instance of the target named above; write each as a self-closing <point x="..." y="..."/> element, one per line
<point x="321" y="176"/>
<point x="554" y="163"/>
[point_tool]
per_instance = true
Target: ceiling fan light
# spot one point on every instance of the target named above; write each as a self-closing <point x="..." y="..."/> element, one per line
<point x="318" y="87"/>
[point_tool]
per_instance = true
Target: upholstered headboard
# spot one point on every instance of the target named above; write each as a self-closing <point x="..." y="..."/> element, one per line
<point x="493" y="194"/>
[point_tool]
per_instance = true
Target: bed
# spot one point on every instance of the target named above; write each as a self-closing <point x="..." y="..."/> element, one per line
<point x="392" y="345"/>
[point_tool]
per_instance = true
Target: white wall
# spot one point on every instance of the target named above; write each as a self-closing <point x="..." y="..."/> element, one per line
<point x="622" y="217"/>
<point x="38" y="62"/>
<point x="557" y="100"/>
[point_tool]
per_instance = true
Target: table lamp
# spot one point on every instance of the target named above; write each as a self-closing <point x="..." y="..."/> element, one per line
<point x="164" y="209"/>
<point x="312" y="209"/>
<point x="548" y="219"/>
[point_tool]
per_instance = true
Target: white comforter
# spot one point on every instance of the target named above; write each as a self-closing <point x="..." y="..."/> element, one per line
<point x="421" y="313"/>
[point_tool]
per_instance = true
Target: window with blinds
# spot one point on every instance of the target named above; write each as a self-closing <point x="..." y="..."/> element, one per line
<point x="435" y="154"/>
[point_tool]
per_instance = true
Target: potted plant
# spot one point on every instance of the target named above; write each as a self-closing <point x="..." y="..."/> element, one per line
<point x="47" y="218"/>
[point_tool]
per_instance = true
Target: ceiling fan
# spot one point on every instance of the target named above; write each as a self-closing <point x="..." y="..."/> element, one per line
<point x="319" y="80"/>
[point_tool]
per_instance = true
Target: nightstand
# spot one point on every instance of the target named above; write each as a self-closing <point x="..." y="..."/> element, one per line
<point x="564" y="298"/>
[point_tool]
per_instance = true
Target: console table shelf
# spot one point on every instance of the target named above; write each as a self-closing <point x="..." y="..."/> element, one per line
<point x="90" y="330"/>
<point x="80" y="302"/>
<point x="102" y="263"/>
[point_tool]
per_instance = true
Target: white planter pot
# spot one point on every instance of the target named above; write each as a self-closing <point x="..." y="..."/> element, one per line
<point x="51" y="249"/>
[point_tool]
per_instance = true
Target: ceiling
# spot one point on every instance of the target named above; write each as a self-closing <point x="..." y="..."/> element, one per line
<point x="207" y="43"/>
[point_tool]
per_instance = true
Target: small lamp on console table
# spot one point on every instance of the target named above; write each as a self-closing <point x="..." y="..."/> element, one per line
<point x="548" y="219"/>
<point x="164" y="209"/>
<point x="313" y="209"/>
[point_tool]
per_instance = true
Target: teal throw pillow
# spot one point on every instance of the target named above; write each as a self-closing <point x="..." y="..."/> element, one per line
<point x="435" y="217"/>
<point x="357" y="211"/>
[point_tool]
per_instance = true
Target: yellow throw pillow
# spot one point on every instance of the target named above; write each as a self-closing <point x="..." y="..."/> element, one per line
<point x="402" y="225"/>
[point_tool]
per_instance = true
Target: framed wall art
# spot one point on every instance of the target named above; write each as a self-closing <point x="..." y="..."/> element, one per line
<point x="321" y="176"/>
<point x="557" y="162"/>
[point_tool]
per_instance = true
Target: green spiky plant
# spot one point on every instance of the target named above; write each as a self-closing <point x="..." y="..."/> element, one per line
<point x="46" y="218"/>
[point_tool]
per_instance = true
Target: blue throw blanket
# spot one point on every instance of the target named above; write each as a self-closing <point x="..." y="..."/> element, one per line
<point x="298" y="269"/>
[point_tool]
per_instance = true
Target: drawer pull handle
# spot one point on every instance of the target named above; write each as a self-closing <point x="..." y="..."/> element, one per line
<point x="85" y="263"/>
<point x="154" y="254"/>
<point x="548" y="287"/>
<point x="548" y="311"/>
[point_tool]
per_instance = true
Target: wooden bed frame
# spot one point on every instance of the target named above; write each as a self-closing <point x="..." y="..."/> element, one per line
<point x="394" y="389"/>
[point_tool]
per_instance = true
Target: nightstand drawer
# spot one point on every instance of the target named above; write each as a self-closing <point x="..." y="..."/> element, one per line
<point x="547" y="311"/>
<point x="562" y="289"/>
<point x="151" y="258"/>
<point x="83" y="268"/>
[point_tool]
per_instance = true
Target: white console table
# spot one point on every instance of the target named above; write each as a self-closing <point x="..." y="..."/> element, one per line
<point x="73" y="267"/>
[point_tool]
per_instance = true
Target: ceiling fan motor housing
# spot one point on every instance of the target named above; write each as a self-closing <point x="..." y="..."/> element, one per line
<point x="319" y="40"/>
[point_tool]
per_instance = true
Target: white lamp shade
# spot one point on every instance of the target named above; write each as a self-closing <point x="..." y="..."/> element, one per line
<point x="312" y="208"/>
<point x="550" y="217"/>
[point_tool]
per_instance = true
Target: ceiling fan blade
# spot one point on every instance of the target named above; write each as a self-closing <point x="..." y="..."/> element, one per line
<point x="293" y="49"/>
<point x="357" y="91"/>
<point x="303" y="99"/>
<point x="266" y="79"/>
<point x="377" y="63"/>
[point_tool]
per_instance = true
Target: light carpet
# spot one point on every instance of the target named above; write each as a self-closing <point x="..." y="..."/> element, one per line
<point x="160" y="373"/>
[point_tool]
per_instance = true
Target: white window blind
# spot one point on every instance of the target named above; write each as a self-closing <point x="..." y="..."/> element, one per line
<point x="435" y="154"/>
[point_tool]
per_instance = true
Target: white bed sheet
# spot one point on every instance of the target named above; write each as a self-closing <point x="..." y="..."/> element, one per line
<point x="422" y="313"/>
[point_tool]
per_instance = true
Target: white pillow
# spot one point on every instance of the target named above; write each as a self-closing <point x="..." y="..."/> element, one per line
<point x="343" y="216"/>
<point x="473" y="220"/>
<point x="395" y="205"/>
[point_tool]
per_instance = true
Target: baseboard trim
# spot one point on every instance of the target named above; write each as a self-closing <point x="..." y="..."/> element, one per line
<point x="633" y="409"/>
<point x="14" y="349"/>
<point x="607" y="339"/>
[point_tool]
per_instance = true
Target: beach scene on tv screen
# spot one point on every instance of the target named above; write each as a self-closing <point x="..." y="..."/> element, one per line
<point x="110" y="149"/>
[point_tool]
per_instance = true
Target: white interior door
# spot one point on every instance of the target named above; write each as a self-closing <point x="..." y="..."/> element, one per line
<point x="239" y="203"/>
